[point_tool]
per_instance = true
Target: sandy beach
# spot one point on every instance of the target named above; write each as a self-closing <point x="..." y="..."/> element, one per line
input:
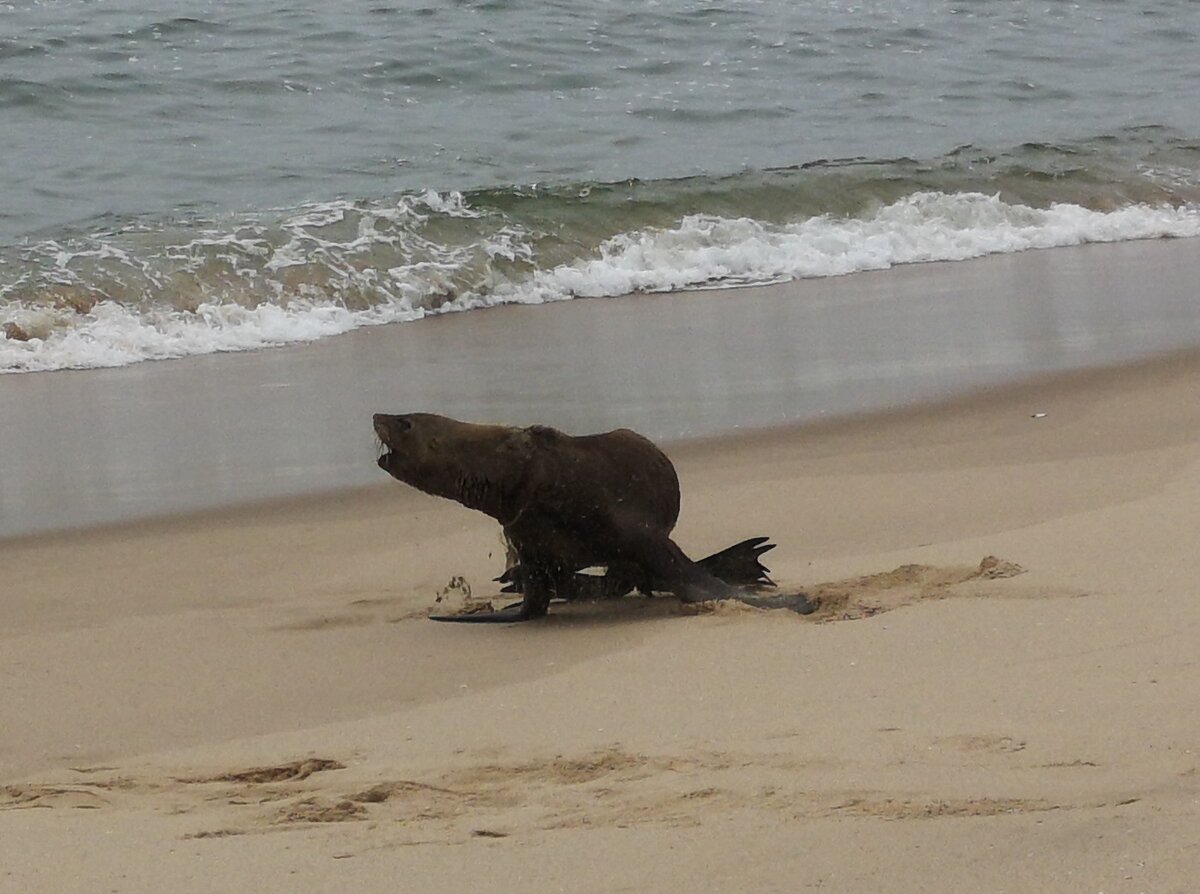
<point x="997" y="692"/>
<point x="910" y="290"/>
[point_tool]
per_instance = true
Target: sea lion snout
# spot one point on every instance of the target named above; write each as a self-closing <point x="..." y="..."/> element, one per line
<point x="388" y="428"/>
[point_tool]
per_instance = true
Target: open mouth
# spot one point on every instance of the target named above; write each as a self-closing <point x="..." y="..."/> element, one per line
<point x="388" y="429"/>
<point x="383" y="454"/>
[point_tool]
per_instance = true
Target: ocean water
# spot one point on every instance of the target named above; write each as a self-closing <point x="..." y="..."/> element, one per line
<point x="237" y="176"/>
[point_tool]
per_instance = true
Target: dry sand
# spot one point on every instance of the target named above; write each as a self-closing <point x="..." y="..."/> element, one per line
<point x="252" y="700"/>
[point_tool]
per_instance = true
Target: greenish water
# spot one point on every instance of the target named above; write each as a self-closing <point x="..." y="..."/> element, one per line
<point x="254" y="174"/>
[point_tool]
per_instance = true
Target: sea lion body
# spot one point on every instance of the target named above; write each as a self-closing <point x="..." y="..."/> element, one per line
<point x="565" y="503"/>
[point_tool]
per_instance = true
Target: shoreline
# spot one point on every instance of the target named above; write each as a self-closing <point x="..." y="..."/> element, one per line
<point x="379" y="494"/>
<point x="199" y="432"/>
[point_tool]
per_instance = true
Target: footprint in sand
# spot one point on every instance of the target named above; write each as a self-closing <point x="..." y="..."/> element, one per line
<point x="990" y="744"/>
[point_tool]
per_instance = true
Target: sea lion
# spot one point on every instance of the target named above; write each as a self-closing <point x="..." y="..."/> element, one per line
<point x="565" y="503"/>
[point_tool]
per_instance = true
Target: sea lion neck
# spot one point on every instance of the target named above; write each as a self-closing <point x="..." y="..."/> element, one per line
<point x="477" y="491"/>
<point x="481" y="467"/>
<point x="491" y="482"/>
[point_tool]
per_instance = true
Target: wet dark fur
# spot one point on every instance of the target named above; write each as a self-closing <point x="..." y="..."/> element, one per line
<point x="566" y="503"/>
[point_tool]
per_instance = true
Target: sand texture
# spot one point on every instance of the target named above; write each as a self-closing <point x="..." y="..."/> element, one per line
<point x="999" y="690"/>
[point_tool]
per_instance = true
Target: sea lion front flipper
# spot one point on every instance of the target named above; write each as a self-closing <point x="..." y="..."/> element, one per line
<point x="512" y="614"/>
<point x="535" y="603"/>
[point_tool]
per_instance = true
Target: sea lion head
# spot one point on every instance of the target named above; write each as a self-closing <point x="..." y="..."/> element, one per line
<point x="480" y="466"/>
<point x="402" y="447"/>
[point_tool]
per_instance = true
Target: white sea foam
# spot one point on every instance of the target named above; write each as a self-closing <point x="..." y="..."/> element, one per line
<point x="700" y="251"/>
<point x="704" y="250"/>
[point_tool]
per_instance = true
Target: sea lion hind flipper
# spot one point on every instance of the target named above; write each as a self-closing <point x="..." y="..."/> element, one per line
<point x="741" y="565"/>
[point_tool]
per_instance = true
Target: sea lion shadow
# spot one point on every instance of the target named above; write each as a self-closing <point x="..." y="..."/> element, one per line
<point x="609" y="613"/>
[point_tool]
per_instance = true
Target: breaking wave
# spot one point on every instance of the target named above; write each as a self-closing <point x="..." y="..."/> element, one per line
<point x="158" y="290"/>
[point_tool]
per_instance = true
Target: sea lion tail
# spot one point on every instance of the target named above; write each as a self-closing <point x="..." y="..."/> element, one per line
<point x="741" y="565"/>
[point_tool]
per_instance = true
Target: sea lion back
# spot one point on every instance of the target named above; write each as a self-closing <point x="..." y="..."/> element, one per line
<point x="626" y="470"/>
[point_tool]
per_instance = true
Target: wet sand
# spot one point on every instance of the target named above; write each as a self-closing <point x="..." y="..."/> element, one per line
<point x="997" y="693"/>
<point x="81" y="448"/>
